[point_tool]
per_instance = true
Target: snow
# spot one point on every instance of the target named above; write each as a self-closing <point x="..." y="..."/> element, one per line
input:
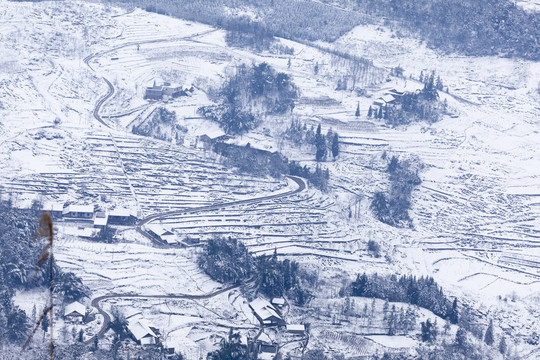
<point x="475" y="215"/>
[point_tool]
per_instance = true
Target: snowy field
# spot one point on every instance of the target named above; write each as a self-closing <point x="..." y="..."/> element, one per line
<point x="476" y="227"/>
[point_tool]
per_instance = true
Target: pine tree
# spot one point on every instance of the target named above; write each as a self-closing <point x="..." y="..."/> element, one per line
<point x="80" y="338"/>
<point x="488" y="338"/>
<point x="453" y="313"/>
<point x="357" y="113"/>
<point x="320" y="144"/>
<point x="335" y="145"/>
<point x="316" y="69"/>
<point x="45" y="324"/>
<point x="289" y="64"/>
<point x="502" y="345"/>
<point x="370" y="112"/>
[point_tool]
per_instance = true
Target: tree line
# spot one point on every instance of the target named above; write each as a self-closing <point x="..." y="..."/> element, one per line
<point x="227" y="260"/>
<point x="19" y="253"/>
<point x="248" y="93"/>
<point x="477" y="28"/>
<point x="392" y="207"/>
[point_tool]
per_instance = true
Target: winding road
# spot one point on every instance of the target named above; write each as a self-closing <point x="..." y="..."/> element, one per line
<point x="96" y="301"/>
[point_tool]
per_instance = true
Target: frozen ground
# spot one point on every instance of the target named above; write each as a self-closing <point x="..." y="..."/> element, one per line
<point x="476" y="227"/>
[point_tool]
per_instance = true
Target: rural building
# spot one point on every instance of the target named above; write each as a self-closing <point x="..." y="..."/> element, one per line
<point x="395" y="93"/>
<point x="157" y="92"/>
<point x="267" y="351"/>
<point x="265" y="312"/>
<point x="55" y="209"/>
<point x="279" y="302"/>
<point x="100" y="220"/>
<point x="75" y="312"/>
<point x="121" y="216"/>
<point x="298" y="329"/>
<point x="143" y="333"/>
<point x="79" y="212"/>
<point x="160" y="233"/>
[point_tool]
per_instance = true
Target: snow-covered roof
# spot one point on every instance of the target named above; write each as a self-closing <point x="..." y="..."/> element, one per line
<point x="387" y="98"/>
<point x="140" y="329"/>
<point x="264" y="309"/>
<point x="79" y="209"/>
<point x="100" y="221"/>
<point x="296" y="327"/>
<point x="120" y="212"/>
<point x="53" y="206"/>
<point x="159" y="230"/>
<point x="278" y="301"/>
<point x="75" y="308"/>
<point x="170" y="239"/>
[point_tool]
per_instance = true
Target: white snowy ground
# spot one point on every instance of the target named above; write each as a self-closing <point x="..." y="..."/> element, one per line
<point x="476" y="212"/>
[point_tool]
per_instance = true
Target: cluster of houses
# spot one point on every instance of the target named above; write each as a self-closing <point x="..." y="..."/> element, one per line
<point x="269" y="314"/>
<point x="166" y="235"/>
<point x="88" y="213"/>
<point x="388" y="98"/>
<point x="165" y="91"/>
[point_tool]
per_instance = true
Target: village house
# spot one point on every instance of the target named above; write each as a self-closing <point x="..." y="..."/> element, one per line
<point x="297" y="329"/>
<point x="121" y="216"/>
<point x="56" y="209"/>
<point x="75" y="312"/>
<point x="85" y="212"/>
<point x="158" y="92"/>
<point x="100" y="220"/>
<point x="143" y="333"/>
<point x="279" y="302"/>
<point x="266" y="313"/>
<point x="160" y="233"/>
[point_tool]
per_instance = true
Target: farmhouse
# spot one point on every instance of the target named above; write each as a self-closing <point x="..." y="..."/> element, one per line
<point x="100" y="220"/>
<point x="55" y="209"/>
<point x="75" y="312"/>
<point x="160" y="233"/>
<point x="157" y="92"/>
<point x="142" y="332"/>
<point x="79" y="211"/>
<point x="121" y="216"/>
<point x="279" y="302"/>
<point x="395" y="93"/>
<point x="298" y="329"/>
<point x="265" y="312"/>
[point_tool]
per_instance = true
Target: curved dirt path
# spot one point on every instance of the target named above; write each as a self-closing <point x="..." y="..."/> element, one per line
<point x="107" y="318"/>
<point x="96" y="301"/>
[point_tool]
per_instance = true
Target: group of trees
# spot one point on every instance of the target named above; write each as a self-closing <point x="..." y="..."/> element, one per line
<point x="228" y="261"/>
<point x="248" y="93"/>
<point x="262" y="162"/>
<point x="19" y="254"/>
<point x="478" y="28"/>
<point x="393" y="206"/>
<point x="325" y="145"/>
<point x="423" y="291"/>
<point x="318" y="178"/>
<point x="253" y="160"/>
<point x="423" y="105"/>
<point x="160" y="124"/>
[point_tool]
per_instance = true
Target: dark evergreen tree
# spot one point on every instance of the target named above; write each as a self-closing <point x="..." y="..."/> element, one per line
<point x="320" y="144"/>
<point x="335" y="145"/>
<point x="503" y="348"/>
<point x="489" y="337"/>
<point x="453" y="313"/>
<point x="45" y="323"/>
<point x="357" y="113"/>
<point x="370" y="112"/>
